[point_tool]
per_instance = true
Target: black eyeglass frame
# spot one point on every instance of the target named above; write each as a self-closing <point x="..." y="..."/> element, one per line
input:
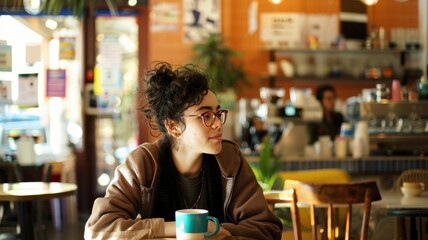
<point x="216" y="115"/>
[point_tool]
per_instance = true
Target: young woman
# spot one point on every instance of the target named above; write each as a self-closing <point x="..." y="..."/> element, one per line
<point x="190" y="167"/>
<point x="332" y="120"/>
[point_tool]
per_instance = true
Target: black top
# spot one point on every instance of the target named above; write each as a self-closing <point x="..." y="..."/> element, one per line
<point x="169" y="198"/>
<point x="325" y="127"/>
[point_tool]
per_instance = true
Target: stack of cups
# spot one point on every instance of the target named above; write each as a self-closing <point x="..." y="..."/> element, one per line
<point x="345" y="135"/>
<point x="340" y="146"/>
<point x="361" y="145"/>
<point x="324" y="146"/>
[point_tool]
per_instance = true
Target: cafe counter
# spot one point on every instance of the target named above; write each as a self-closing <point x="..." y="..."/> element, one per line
<point x="364" y="165"/>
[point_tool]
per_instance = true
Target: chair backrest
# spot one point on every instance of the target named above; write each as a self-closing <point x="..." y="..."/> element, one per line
<point x="328" y="195"/>
<point x="9" y="172"/>
<point x="413" y="175"/>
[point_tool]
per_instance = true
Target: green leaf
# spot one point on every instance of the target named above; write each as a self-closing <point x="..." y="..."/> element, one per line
<point x="268" y="167"/>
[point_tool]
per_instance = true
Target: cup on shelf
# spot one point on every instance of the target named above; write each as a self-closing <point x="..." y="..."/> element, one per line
<point x="412" y="189"/>
<point x="414" y="185"/>
<point x="340" y="146"/>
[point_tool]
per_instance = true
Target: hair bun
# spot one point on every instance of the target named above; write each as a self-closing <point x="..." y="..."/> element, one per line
<point x="164" y="75"/>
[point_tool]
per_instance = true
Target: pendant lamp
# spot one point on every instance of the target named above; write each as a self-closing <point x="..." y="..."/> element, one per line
<point x="369" y="2"/>
<point x="34" y="7"/>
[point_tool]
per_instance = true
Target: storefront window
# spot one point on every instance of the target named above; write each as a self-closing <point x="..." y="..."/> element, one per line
<point x="42" y="86"/>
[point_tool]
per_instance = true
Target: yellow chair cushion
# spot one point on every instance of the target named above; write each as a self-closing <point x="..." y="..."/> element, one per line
<point x="328" y="175"/>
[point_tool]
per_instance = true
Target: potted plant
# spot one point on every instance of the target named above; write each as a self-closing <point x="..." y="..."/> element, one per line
<point x="222" y="64"/>
<point x="267" y="173"/>
<point x="268" y="167"/>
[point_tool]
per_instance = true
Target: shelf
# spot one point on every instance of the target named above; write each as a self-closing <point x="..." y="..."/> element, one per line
<point x="347" y="79"/>
<point x="364" y="165"/>
<point x="345" y="51"/>
<point x="396" y="58"/>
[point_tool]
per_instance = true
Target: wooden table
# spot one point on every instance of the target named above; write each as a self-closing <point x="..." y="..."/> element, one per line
<point x="26" y="192"/>
<point x="400" y="206"/>
<point x="274" y="197"/>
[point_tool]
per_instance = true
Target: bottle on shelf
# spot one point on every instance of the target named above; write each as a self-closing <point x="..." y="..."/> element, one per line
<point x="423" y="88"/>
<point x="396" y="91"/>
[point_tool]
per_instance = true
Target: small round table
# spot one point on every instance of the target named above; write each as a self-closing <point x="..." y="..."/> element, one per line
<point x="26" y="192"/>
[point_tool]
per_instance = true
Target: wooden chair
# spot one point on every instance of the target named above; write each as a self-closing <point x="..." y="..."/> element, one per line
<point x="9" y="173"/>
<point x="330" y="195"/>
<point x="64" y="210"/>
<point x="325" y="175"/>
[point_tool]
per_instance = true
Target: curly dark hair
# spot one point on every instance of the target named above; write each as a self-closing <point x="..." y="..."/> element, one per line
<point x="171" y="91"/>
<point x="324" y="88"/>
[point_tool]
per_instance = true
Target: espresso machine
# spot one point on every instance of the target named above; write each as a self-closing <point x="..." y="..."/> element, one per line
<point x="397" y="128"/>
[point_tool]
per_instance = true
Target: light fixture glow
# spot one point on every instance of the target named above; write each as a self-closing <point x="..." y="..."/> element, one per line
<point x="51" y="24"/>
<point x="369" y="2"/>
<point x="132" y="3"/>
<point x="275" y="1"/>
<point x="34" y="7"/>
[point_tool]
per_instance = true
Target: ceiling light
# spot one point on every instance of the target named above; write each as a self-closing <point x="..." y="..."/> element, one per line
<point x="34" y="7"/>
<point x="369" y="2"/>
<point x="132" y="3"/>
<point x="51" y="24"/>
<point x="275" y="1"/>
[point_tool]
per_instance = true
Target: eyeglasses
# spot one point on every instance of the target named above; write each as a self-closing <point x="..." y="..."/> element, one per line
<point x="208" y="118"/>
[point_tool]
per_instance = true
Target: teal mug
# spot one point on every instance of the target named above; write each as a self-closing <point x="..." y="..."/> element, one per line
<point x="193" y="224"/>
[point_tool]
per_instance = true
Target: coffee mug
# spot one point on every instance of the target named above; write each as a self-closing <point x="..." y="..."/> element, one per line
<point x="193" y="224"/>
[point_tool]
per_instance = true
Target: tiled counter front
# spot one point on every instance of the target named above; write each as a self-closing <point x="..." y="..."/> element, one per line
<point x="366" y="165"/>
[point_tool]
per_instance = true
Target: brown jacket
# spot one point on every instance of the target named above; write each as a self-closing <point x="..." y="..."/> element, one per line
<point x="124" y="212"/>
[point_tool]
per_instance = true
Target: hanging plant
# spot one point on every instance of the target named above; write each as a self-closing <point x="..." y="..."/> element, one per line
<point x="53" y="7"/>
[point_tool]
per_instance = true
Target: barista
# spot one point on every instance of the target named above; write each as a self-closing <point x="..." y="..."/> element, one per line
<point x="331" y="120"/>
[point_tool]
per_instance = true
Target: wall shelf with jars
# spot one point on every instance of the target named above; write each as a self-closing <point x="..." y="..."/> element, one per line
<point x="345" y="64"/>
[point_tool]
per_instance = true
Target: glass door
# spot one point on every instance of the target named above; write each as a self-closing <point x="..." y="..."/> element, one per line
<point x="113" y="93"/>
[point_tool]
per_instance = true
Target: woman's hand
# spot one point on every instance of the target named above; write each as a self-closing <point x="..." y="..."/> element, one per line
<point x="169" y="229"/>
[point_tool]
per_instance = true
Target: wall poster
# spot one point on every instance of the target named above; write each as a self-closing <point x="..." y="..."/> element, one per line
<point x="5" y="58"/>
<point x="28" y="90"/>
<point x="200" y="17"/>
<point x="164" y="17"/>
<point x="5" y="92"/>
<point x="292" y="30"/>
<point x="55" y="83"/>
